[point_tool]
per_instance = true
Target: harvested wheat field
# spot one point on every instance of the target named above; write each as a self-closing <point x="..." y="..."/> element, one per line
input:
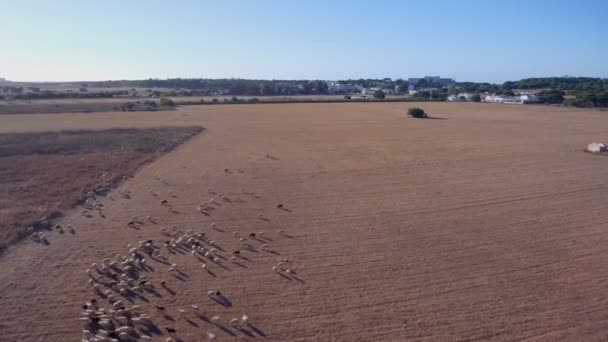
<point x="485" y="223"/>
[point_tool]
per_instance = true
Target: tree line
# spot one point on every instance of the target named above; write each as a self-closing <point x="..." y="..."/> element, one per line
<point x="570" y="91"/>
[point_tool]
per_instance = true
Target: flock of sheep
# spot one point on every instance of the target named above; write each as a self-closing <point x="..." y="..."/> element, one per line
<point x="119" y="283"/>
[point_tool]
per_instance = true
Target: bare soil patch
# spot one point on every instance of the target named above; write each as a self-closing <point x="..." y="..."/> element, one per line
<point x="43" y="174"/>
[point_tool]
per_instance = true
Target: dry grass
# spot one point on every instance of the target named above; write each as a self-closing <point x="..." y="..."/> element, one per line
<point x="45" y="173"/>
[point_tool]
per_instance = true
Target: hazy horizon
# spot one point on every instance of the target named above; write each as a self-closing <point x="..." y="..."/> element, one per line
<point x="71" y="41"/>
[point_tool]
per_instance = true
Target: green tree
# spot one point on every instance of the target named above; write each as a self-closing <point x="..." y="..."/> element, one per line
<point x="416" y="112"/>
<point x="476" y="98"/>
<point x="165" y="102"/>
<point x="379" y="94"/>
<point x="452" y="90"/>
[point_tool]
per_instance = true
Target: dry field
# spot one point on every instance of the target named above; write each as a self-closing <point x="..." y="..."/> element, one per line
<point x="489" y="223"/>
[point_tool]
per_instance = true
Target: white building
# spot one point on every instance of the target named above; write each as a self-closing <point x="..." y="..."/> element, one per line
<point x="343" y="88"/>
<point x="455" y="98"/>
<point x="496" y="98"/>
<point x="527" y="98"/>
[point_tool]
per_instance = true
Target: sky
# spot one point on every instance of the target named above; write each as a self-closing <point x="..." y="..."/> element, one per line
<point x="481" y="41"/>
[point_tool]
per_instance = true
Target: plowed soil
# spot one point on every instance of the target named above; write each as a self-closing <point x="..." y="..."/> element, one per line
<point x="485" y="223"/>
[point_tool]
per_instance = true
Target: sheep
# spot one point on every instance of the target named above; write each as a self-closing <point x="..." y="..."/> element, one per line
<point x="59" y="228"/>
<point x="71" y="229"/>
<point x="211" y="336"/>
<point x="215" y="319"/>
<point x="29" y="230"/>
<point x="234" y="322"/>
<point x="260" y="216"/>
<point x="245" y="319"/>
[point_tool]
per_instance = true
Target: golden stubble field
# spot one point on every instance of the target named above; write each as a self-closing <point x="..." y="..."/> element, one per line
<point x="488" y="223"/>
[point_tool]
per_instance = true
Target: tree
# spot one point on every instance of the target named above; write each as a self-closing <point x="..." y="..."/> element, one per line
<point x="551" y="96"/>
<point x="452" y="90"/>
<point x="166" y="102"/>
<point x="476" y="98"/>
<point x="379" y="94"/>
<point x="416" y="112"/>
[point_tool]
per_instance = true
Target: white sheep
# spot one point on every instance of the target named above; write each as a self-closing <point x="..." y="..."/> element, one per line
<point x="234" y="322"/>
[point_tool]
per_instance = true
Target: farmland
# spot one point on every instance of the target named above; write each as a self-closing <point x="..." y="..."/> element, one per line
<point x="487" y="222"/>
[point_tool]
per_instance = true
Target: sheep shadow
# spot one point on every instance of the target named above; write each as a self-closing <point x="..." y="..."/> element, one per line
<point x="225" y="329"/>
<point x="256" y="329"/>
<point x="178" y="277"/>
<point x="168" y="289"/>
<point x="243" y="257"/>
<point x="272" y="251"/>
<point x="223" y="301"/>
<point x="168" y="317"/>
<point x="151" y="329"/>
<point x="192" y="323"/>
<point x="244" y="331"/>
<point x="154" y="293"/>
<point x="211" y="273"/>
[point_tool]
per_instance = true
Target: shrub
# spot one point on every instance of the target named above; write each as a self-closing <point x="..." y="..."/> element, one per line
<point x="347" y="97"/>
<point x="379" y="94"/>
<point x="476" y="98"/>
<point x="166" y="102"/>
<point x="416" y="112"/>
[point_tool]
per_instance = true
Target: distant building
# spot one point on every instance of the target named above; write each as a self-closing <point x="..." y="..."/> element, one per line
<point x="528" y="98"/>
<point x="466" y="96"/>
<point x="496" y="98"/>
<point x="343" y="88"/>
<point x="371" y="91"/>
<point x="456" y="98"/>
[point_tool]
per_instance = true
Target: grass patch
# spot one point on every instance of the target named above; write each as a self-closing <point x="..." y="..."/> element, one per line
<point x="44" y="174"/>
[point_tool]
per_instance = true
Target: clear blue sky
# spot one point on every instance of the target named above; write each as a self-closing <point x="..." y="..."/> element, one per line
<point x="468" y="40"/>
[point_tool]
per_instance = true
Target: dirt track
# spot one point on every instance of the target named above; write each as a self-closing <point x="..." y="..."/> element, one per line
<point x="486" y="224"/>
